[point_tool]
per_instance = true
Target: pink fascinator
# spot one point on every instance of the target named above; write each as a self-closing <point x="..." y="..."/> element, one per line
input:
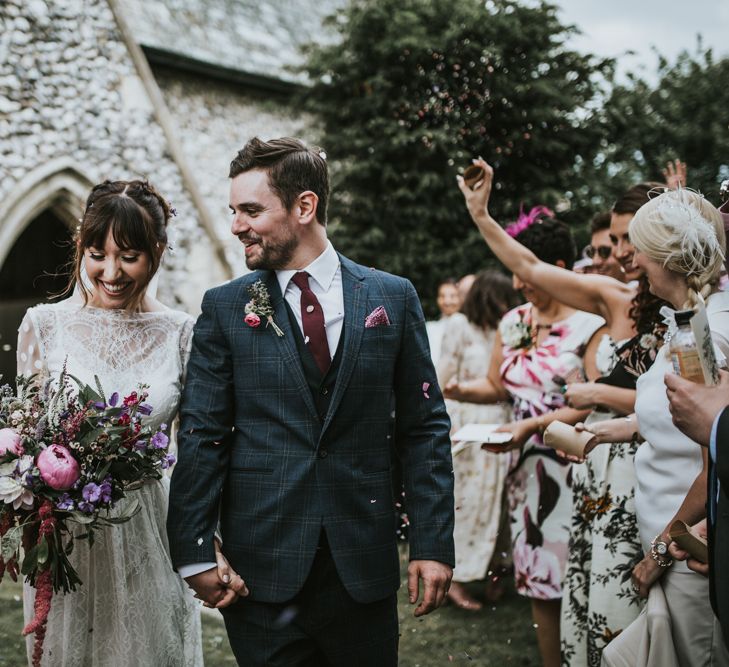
<point x="528" y="219"/>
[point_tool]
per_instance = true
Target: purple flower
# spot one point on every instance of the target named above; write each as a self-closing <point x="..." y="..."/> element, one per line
<point x="86" y="507"/>
<point x="65" y="502"/>
<point x="167" y="461"/>
<point x="160" y="440"/>
<point x="145" y="409"/>
<point x="140" y="445"/>
<point x="105" y="491"/>
<point x="114" y="399"/>
<point x="100" y="405"/>
<point x="91" y="492"/>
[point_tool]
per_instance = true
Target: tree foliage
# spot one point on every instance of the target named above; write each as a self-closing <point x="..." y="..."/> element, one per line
<point x="413" y="89"/>
<point x="684" y="114"/>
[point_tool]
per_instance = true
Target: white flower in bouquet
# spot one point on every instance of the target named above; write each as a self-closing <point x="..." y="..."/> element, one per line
<point x="12" y="490"/>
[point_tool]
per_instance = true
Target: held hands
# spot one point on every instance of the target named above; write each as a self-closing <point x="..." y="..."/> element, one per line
<point x="220" y="586"/>
<point x="694" y="406"/>
<point x="679" y="554"/>
<point x="477" y="200"/>
<point x="436" y="578"/>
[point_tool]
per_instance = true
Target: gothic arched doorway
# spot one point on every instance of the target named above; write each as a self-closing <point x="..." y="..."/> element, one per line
<point x="35" y="269"/>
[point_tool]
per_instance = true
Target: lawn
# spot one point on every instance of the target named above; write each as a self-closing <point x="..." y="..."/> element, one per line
<point x="501" y="633"/>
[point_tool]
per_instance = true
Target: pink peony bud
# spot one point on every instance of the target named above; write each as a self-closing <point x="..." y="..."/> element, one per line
<point x="252" y="320"/>
<point x="10" y="442"/>
<point x="57" y="467"/>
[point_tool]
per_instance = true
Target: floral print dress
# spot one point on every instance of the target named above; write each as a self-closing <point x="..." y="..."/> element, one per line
<point x="604" y="543"/>
<point x="539" y="494"/>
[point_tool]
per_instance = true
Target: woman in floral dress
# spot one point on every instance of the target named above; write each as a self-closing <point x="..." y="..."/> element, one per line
<point x="480" y="476"/>
<point x="599" y="600"/>
<point x="539" y="347"/>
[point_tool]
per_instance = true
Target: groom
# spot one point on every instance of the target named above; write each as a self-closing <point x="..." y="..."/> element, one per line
<point x="308" y="378"/>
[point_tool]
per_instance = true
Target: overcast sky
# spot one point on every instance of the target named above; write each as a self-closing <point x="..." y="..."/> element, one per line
<point x="614" y="26"/>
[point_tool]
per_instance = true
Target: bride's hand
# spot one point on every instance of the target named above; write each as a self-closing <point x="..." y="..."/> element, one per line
<point x="477" y="200"/>
<point x="229" y="578"/>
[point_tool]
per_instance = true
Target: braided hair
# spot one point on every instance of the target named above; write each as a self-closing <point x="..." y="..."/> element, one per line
<point x="684" y="233"/>
<point x="135" y="214"/>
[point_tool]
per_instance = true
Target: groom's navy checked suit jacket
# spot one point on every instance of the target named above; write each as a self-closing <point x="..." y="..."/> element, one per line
<point x="254" y="453"/>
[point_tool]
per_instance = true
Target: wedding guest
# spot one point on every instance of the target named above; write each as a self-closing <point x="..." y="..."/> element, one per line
<point x="464" y="285"/>
<point x="537" y="346"/>
<point x="680" y="245"/>
<point x="132" y="609"/>
<point x="479" y="475"/>
<point x="598" y="599"/>
<point x="449" y="301"/>
<point x="600" y="250"/>
<point x="702" y="413"/>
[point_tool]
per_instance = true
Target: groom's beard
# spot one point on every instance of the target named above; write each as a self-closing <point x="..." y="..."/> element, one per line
<point x="272" y="255"/>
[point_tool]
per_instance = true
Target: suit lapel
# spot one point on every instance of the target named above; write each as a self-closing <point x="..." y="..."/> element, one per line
<point x="354" y="287"/>
<point x="286" y="343"/>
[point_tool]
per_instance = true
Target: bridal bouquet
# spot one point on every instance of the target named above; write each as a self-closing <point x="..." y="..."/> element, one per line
<point x="68" y="455"/>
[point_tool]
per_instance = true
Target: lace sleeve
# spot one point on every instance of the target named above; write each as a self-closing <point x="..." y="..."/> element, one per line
<point x="29" y="355"/>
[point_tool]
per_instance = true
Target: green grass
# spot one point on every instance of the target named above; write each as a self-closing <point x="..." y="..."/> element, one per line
<point x="501" y="633"/>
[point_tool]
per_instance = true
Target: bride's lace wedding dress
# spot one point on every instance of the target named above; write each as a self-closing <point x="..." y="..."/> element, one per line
<point x="132" y="609"/>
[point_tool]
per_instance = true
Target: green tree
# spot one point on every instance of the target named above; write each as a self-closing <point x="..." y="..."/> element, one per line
<point x="685" y="114"/>
<point x="413" y="89"/>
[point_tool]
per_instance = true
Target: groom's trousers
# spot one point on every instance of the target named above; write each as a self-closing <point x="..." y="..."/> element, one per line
<point x="322" y="626"/>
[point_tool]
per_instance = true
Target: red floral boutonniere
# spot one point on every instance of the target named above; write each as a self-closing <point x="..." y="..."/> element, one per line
<point x="259" y="307"/>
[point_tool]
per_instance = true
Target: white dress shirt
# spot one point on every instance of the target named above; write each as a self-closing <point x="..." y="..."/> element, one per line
<point x="325" y="281"/>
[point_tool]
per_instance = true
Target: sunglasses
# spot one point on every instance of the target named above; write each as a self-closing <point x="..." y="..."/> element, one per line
<point x="602" y="251"/>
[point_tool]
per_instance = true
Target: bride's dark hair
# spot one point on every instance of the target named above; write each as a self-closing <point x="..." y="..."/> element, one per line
<point x="135" y="214"/>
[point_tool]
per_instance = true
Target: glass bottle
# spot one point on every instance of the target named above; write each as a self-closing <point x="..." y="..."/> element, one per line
<point x="684" y="349"/>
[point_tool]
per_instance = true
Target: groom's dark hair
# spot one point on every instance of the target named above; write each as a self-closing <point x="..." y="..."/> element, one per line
<point x="292" y="168"/>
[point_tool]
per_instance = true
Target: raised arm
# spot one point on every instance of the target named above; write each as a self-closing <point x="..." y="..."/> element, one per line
<point x="592" y="293"/>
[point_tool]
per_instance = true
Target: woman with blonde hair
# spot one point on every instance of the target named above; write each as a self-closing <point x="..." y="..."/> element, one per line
<point x="680" y="244"/>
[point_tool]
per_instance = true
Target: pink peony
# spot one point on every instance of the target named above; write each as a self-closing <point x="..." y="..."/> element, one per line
<point x="57" y="467"/>
<point x="10" y="442"/>
<point x="252" y="320"/>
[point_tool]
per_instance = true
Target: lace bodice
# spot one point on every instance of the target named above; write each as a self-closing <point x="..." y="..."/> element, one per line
<point x="123" y="349"/>
<point x="132" y="608"/>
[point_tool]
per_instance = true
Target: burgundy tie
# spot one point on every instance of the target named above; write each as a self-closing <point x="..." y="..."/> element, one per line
<point x="312" y="317"/>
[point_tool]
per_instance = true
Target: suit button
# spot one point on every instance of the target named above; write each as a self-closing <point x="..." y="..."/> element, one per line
<point x="323" y="453"/>
<point x="324" y="391"/>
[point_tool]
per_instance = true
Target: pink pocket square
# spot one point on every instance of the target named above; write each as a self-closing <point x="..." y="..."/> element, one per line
<point x="377" y="318"/>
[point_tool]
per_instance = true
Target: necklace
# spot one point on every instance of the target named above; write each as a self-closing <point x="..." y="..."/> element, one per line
<point x="535" y="329"/>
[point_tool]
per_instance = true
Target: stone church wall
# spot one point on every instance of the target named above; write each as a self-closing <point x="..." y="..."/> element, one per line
<point x="69" y="89"/>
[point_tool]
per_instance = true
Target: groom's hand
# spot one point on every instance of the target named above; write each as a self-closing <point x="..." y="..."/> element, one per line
<point x="436" y="578"/>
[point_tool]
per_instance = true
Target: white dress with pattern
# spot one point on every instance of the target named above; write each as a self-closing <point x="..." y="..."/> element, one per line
<point x="132" y="608"/>
<point x="480" y="476"/>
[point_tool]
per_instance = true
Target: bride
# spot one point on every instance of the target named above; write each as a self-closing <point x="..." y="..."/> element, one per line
<point x="132" y="608"/>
